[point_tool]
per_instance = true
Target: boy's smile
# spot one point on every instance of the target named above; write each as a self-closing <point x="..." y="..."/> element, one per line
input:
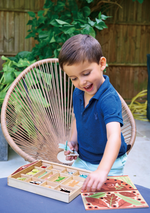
<point x="86" y="76"/>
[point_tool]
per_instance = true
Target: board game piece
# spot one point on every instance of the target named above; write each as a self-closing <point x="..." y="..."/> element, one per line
<point x="59" y="179"/>
<point x="84" y="176"/>
<point x="42" y="174"/>
<point x="64" y="190"/>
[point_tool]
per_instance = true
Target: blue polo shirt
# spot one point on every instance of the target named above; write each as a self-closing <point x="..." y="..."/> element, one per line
<point x="104" y="107"/>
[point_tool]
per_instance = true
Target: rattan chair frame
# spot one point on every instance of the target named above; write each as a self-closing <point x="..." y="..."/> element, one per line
<point x="129" y="129"/>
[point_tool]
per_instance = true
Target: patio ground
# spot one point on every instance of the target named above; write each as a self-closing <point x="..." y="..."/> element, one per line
<point x="137" y="166"/>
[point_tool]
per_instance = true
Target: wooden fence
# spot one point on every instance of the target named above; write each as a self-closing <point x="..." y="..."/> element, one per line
<point x="13" y="28"/>
<point x="125" y="43"/>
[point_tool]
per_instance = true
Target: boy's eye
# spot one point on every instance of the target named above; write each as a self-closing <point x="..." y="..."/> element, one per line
<point x="85" y="74"/>
<point x="73" y="79"/>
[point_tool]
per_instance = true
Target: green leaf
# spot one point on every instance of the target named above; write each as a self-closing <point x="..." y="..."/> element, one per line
<point x="61" y="22"/>
<point x="17" y="74"/>
<point x="41" y="12"/>
<point x="8" y="68"/>
<point x="24" y="62"/>
<point x="92" y="32"/>
<point x="86" y="11"/>
<point x="43" y="34"/>
<point x="70" y="30"/>
<point x="65" y="16"/>
<point x="2" y="95"/>
<point x="8" y="77"/>
<point x="32" y="14"/>
<point x="98" y="27"/>
<point x="129" y="200"/>
<point x="103" y="17"/>
<point x="48" y="4"/>
<point x="92" y="23"/>
<point x="54" y="23"/>
<point x="99" y="21"/>
<point x="4" y="58"/>
<point x="30" y="35"/>
<point x="100" y="24"/>
<point x="30" y="22"/>
<point x="80" y="16"/>
<point x="87" y="29"/>
<point x="52" y="40"/>
<point x="41" y="20"/>
<point x="55" y="53"/>
<point x="98" y="195"/>
<point x="99" y="15"/>
<point x="13" y="58"/>
<point x="23" y="54"/>
<point x="59" y="6"/>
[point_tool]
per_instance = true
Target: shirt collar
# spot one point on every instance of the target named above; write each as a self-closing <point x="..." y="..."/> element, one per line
<point x="102" y="88"/>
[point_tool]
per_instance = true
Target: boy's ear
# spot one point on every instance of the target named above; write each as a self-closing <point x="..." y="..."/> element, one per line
<point x="103" y="63"/>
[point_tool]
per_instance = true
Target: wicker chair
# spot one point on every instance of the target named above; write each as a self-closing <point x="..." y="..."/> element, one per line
<point x="37" y="112"/>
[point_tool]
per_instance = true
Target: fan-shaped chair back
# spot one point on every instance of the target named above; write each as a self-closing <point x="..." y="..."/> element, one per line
<point x="37" y="112"/>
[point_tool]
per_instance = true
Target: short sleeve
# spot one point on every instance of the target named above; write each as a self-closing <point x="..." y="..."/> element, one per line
<point x="112" y="109"/>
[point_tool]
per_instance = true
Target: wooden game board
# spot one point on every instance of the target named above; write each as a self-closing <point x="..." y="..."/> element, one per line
<point x="118" y="192"/>
<point x="49" y="179"/>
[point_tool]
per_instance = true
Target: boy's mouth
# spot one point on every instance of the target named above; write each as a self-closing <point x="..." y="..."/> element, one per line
<point x="89" y="87"/>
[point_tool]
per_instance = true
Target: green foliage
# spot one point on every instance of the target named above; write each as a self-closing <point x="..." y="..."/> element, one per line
<point x="140" y="1"/>
<point x="58" y="21"/>
<point x="11" y="69"/>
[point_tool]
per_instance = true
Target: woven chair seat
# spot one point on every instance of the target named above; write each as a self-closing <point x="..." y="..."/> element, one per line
<point x="37" y="112"/>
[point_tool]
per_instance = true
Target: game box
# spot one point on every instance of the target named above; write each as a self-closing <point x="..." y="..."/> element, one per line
<point x="57" y="181"/>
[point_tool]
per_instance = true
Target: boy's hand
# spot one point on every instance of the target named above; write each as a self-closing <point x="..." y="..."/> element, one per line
<point x="94" y="181"/>
<point x="73" y="146"/>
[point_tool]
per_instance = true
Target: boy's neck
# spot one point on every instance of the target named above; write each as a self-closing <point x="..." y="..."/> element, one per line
<point x="87" y="98"/>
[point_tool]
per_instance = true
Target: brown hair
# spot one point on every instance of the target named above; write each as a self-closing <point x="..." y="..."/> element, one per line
<point x="80" y="48"/>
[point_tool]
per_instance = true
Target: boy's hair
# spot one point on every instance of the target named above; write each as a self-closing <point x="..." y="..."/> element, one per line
<point x="80" y="48"/>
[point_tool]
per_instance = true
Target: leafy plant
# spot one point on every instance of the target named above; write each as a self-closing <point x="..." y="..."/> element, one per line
<point x="60" y="20"/>
<point x="11" y="69"/>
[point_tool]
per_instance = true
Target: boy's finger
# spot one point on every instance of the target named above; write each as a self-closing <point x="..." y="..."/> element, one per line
<point x="94" y="186"/>
<point x="99" y="186"/>
<point x="85" y="184"/>
<point x="89" y="185"/>
<point x="69" y="158"/>
<point x="67" y="152"/>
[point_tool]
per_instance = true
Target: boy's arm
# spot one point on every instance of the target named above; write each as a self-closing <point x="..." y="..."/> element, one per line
<point x="73" y="136"/>
<point x="96" y="179"/>
<point x="73" y="144"/>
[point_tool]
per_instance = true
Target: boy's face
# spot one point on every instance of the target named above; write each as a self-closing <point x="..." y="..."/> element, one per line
<point x="86" y="76"/>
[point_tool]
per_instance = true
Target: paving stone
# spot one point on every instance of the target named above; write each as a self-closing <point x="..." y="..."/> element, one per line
<point x="3" y="147"/>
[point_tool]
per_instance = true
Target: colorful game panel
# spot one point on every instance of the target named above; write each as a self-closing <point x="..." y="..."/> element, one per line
<point x="118" y="192"/>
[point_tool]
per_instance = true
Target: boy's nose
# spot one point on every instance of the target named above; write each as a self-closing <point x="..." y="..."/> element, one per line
<point x="82" y="82"/>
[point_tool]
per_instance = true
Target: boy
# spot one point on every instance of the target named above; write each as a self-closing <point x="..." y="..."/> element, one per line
<point x="96" y="132"/>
